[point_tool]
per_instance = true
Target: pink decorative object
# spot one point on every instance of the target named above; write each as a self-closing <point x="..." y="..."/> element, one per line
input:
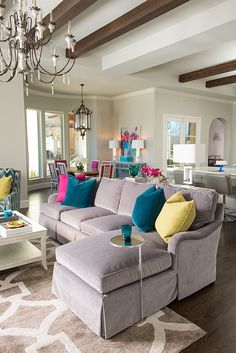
<point x="80" y="177"/>
<point x="154" y="173"/>
<point x="63" y="182"/>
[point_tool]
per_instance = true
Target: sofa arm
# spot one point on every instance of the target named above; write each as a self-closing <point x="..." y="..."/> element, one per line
<point x="194" y="256"/>
<point x="198" y="234"/>
<point x="52" y="198"/>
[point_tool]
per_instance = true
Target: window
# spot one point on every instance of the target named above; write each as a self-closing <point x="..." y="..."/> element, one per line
<point x="77" y="144"/>
<point x="53" y="137"/>
<point x="179" y="130"/>
<point x="34" y="143"/>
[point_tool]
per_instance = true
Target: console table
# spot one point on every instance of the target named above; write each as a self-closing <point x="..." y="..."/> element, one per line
<point x="122" y="168"/>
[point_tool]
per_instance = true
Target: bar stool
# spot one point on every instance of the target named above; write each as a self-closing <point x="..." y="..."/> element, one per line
<point x="178" y="177"/>
<point x="223" y="185"/>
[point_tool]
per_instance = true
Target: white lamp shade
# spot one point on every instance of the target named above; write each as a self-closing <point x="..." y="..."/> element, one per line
<point x="114" y="144"/>
<point x="221" y="163"/>
<point x="189" y="153"/>
<point x="137" y="144"/>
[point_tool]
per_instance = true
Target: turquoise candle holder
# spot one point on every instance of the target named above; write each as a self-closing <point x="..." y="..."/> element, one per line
<point x="126" y="230"/>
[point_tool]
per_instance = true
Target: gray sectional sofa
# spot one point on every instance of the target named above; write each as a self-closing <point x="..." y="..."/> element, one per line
<point x="100" y="283"/>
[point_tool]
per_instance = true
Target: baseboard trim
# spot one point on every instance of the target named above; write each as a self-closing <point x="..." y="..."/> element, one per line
<point x="24" y="204"/>
<point x="38" y="186"/>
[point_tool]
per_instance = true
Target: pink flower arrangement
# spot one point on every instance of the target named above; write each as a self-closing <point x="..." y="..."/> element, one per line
<point x="151" y="172"/>
<point x="154" y="173"/>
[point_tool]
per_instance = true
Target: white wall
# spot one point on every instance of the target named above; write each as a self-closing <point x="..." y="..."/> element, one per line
<point x="147" y="108"/>
<point x="171" y="102"/>
<point x="102" y="123"/>
<point x="13" y="151"/>
<point x="138" y="109"/>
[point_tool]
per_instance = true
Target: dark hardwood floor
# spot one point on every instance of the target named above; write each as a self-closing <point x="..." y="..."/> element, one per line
<point x="214" y="307"/>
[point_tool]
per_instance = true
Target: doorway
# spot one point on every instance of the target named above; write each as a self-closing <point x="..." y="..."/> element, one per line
<point x="216" y="142"/>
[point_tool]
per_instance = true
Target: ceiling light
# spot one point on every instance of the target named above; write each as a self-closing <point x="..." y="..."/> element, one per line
<point x="22" y="40"/>
<point x="82" y="116"/>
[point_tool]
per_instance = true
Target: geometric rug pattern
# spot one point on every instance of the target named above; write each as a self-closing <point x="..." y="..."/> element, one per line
<point x="33" y="320"/>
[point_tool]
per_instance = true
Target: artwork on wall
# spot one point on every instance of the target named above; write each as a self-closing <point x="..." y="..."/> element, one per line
<point x="127" y="135"/>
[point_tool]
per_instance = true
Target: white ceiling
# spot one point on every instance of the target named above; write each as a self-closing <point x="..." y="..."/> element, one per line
<point x="195" y="35"/>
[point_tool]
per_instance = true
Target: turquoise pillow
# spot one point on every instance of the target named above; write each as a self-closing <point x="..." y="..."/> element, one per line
<point x="147" y="207"/>
<point x="79" y="194"/>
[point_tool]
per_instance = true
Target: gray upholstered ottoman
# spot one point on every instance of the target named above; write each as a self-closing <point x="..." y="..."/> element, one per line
<point x="100" y="283"/>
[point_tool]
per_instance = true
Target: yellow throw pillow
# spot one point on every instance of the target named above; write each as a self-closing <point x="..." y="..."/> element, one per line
<point x="5" y="187"/>
<point x="176" y="216"/>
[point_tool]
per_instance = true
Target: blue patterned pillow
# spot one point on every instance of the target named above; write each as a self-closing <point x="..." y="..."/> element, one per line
<point x="147" y="207"/>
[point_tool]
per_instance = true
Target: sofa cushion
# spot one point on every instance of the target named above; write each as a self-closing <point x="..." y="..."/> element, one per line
<point x="79" y="194"/>
<point x="105" y="267"/>
<point x="131" y="191"/>
<point x="205" y="202"/>
<point x="5" y="187"/>
<point x="104" y="224"/>
<point x="74" y="217"/>
<point x="62" y="187"/>
<point x="54" y="210"/>
<point x="108" y="194"/>
<point x="147" y="207"/>
<point x="176" y="216"/>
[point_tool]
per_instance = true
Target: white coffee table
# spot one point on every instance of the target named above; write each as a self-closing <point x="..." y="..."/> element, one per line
<point x="17" y="250"/>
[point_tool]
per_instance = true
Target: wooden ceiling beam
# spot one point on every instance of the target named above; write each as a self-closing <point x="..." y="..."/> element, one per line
<point x="66" y="11"/>
<point x="208" y="71"/>
<point x="221" y="81"/>
<point x="141" y="14"/>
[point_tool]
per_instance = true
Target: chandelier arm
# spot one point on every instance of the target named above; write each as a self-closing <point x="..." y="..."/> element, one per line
<point x="38" y="59"/>
<point x="47" y="41"/>
<point x="60" y="72"/>
<point x="49" y="81"/>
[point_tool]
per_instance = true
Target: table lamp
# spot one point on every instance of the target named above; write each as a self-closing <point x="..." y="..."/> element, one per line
<point x="137" y="145"/>
<point x="188" y="154"/>
<point x="221" y="165"/>
<point x="114" y="145"/>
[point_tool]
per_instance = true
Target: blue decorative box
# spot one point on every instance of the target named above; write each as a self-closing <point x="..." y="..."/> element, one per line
<point x="126" y="158"/>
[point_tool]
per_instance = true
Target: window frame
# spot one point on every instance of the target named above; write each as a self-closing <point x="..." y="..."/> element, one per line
<point x="40" y="144"/>
<point x="182" y="119"/>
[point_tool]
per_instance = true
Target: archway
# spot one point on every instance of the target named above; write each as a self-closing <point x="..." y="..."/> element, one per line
<point x="216" y="148"/>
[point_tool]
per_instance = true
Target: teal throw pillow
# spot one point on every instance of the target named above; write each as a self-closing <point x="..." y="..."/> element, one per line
<point x="79" y="194"/>
<point x="147" y="207"/>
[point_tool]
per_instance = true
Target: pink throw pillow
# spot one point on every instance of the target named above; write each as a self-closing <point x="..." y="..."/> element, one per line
<point x="80" y="177"/>
<point x="63" y="182"/>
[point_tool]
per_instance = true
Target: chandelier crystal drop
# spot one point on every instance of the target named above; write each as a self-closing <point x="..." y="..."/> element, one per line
<point x="22" y="40"/>
<point x="82" y="116"/>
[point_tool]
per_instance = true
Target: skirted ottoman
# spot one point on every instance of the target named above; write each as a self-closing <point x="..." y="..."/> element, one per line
<point x="100" y="283"/>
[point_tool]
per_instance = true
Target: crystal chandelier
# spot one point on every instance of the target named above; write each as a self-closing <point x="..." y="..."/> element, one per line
<point x="82" y="116"/>
<point x="22" y="40"/>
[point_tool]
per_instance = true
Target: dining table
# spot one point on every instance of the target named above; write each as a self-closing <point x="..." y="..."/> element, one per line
<point x="87" y="172"/>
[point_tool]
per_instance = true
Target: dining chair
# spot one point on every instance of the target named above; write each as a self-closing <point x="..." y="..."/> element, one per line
<point x="107" y="170"/>
<point x="53" y="176"/>
<point x="60" y="161"/>
<point x="178" y="176"/>
<point x="106" y="162"/>
<point x="95" y="164"/>
<point x="61" y="168"/>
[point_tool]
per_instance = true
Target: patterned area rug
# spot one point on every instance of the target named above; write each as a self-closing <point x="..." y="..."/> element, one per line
<point x="32" y="320"/>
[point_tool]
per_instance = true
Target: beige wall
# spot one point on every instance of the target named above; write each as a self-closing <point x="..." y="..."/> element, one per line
<point x="102" y="123"/>
<point x="138" y="110"/>
<point x="183" y="104"/>
<point x="12" y="131"/>
<point x="147" y="108"/>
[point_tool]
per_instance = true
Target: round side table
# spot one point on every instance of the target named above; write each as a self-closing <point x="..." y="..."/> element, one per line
<point x="136" y="241"/>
